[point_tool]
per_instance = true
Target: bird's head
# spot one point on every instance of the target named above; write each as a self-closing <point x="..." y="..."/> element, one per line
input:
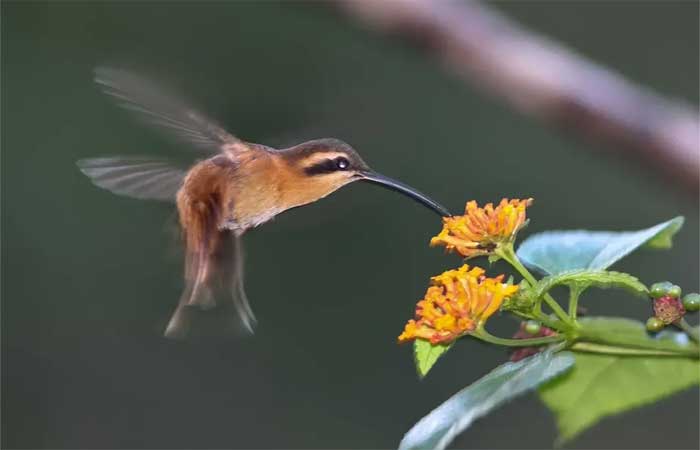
<point x="325" y="165"/>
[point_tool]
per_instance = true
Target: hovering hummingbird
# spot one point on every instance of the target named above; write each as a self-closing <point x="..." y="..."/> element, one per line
<point x="240" y="186"/>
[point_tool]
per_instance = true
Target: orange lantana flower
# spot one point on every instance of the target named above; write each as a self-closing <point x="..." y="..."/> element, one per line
<point x="480" y="230"/>
<point x="457" y="303"/>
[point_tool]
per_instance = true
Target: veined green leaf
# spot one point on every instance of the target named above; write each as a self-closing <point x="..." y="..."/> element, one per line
<point x="583" y="279"/>
<point x="427" y="354"/>
<point x="603" y="385"/>
<point x="554" y="252"/>
<point x="443" y="424"/>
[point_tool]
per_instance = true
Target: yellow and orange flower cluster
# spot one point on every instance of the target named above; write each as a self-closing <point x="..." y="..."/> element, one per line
<point x="480" y="230"/>
<point x="457" y="303"/>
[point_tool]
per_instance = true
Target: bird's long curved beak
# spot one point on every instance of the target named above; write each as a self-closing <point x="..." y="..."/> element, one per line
<point x="406" y="190"/>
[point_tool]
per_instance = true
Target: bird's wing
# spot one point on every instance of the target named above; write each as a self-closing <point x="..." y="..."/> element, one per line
<point x="144" y="178"/>
<point x="155" y="106"/>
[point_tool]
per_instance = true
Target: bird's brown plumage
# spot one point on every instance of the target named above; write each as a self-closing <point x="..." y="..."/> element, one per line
<point x="225" y="195"/>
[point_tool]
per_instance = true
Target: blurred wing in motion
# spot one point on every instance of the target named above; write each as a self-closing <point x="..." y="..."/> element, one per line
<point x="143" y="178"/>
<point x="164" y="110"/>
<point x="214" y="300"/>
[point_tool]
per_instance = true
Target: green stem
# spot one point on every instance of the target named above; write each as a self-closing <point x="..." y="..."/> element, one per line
<point x="612" y="339"/>
<point x="688" y="329"/>
<point x="485" y="336"/>
<point x="573" y="302"/>
<point x="549" y="323"/>
<point x="590" y="347"/>
<point x="508" y="254"/>
<point x="544" y="320"/>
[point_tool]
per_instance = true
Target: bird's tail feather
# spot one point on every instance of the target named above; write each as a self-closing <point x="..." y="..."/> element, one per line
<point x="214" y="300"/>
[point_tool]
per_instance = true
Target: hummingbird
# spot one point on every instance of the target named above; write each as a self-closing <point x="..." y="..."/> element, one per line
<point x="237" y="186"/>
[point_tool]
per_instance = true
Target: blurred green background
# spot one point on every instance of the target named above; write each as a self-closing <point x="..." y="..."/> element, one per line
<point x="89" y="279"/>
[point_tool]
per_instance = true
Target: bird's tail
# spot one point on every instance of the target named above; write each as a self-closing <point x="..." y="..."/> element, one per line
<point x="214" y="300"/>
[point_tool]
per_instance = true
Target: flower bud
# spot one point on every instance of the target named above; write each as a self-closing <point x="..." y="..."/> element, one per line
<point x="661" y="289"/>
<point x="668" y="309"/>
<point x="674" y="291"/>
<point x="532" y="327"/>
<point x="691" y="302"/>
<point x="654" y="324"/>
<point x="523" y="352"/>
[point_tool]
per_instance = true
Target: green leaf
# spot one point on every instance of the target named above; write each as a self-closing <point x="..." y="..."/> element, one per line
<point x="427" y="354"/>
<point x="604" y="385"/>
<point x="630" y="333"/>
<point x="583" y="279"/>
<point x="554" y="252"/>
<point x="443" y="424"/>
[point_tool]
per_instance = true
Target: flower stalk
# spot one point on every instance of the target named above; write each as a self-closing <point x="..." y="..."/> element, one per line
<point x="574" y="294"/>
<point x="594" y="347"/>
<point x="507" y="253"/>
<point x="692" y="333"/>
<point x="612" y="342"/>
<point x="481" y="333"/>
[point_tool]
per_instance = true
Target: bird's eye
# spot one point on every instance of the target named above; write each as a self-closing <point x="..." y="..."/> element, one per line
<point x="342" y="163"/>
<point x="328" y="166"/>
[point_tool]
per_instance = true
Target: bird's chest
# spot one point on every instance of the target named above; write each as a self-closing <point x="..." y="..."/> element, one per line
<point x="253" y="202"/>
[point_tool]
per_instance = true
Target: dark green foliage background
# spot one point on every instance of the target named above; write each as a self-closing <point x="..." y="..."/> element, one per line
<point x="89" y="279"/>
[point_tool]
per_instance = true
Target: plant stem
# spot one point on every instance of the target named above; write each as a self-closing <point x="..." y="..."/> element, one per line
<point x="544" y="320"/>
<point x="573" y="302"/>
<point x="506" y="252"/>
<point x="485" y="336"/>
<point x="610" y="338"/>
<point x="590" y="347"/>
<point x="688" y="329"/>
<point x="549" y="323"/>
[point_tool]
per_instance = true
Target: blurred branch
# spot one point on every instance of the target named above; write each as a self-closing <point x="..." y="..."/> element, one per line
<point x="542" y="78"/>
